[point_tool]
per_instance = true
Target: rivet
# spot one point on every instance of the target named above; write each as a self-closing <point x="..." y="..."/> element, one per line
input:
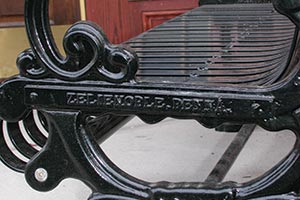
<point x="41" y="175"/>
<point x="33" y="96"/>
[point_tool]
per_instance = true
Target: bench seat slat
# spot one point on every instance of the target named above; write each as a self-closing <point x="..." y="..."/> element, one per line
<point x="212" y="44"/>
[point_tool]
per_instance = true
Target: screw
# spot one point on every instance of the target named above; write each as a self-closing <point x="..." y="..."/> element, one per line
<point x="33" y="96"/>
<point x="41" y="175"/>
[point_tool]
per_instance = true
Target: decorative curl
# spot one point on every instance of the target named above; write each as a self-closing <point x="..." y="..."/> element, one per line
<point x="28" y="67"/>
<point x="84" y="45"/>
<point x="89" y="55"/>
<point x="119" y="64"/>
<point x="87" y="45"/>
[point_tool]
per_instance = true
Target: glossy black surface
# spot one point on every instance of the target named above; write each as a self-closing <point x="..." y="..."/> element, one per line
<point x="98" y="85"/>
<point x="89" y="55"/>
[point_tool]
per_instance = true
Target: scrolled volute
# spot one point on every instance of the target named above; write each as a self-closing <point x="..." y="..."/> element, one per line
<point x="89" y="54"/>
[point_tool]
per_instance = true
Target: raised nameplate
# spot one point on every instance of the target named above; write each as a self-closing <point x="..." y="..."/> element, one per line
<point x="126" y="101"/>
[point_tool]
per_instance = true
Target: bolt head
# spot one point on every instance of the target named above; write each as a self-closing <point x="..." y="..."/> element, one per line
<point x="41" y="175"/>
<point x="33" y="96"/>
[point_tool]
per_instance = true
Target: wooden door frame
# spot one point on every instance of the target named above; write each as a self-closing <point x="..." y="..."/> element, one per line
<point x="82" y="9"/>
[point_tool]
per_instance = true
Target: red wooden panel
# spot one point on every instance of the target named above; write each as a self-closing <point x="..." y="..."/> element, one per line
<point x="11" y="11"/>
<point x="61" y="12"/>
<point x="11" y="7"/>
<point x="123" y="19"/>
<point x="65" y="11"/>
<point x="152" y="19"/>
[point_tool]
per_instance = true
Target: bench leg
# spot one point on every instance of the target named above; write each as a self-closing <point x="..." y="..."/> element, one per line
<point x="72" y="152"/>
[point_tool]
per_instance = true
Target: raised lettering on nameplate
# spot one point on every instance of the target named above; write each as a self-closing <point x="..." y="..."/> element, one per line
<point x="126" y="101"/>
<point x="123" y="101"/>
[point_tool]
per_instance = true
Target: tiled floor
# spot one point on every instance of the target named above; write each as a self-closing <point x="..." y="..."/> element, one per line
<point x="172" y="150"/>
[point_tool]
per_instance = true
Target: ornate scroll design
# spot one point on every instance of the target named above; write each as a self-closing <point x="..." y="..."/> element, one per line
<point x="89" y="55"/>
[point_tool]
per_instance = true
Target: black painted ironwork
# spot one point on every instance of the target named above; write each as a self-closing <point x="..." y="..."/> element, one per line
<point x="218" y="64"/>
<point x="230" y="155"/>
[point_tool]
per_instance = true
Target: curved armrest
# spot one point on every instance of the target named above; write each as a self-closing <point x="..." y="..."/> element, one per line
<point x="290" y="8"/>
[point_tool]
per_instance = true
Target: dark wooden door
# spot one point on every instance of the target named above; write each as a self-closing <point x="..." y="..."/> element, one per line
<point x="60" y="11"/>
<point x="13" y="39"/>
<point x="123" y="19"/>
